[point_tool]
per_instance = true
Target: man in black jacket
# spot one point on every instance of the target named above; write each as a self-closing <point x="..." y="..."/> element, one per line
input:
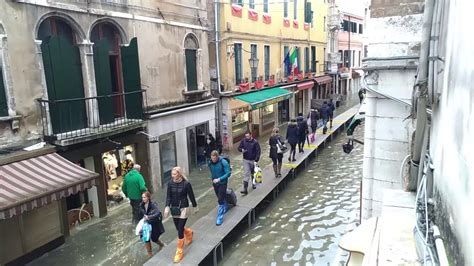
<point x="250" y="150"/>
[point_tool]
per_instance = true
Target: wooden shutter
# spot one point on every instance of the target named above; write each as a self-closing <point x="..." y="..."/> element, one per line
<point x="3" y="96"/>
<point x="63" y="72"/>
<point x="131" y="80"/>
<point x="191" y="69"/>
<point x="103" y="80"/>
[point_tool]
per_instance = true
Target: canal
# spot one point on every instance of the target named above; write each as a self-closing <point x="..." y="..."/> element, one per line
<point x="304" y="224"/>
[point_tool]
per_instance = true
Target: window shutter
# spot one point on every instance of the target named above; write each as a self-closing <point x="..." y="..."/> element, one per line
<point x="3" y="96"/>
<point x="103" y="80"/>
<point x="131" y="80"/>
<point x="191" y="69"/>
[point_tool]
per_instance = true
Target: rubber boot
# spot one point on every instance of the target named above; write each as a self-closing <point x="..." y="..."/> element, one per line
<point x="220" y="215"/>
<point x="226" y="207"/>
<point x="188" y="236"/>
<point x="148" y="249"/>
<point x="160" y="243"/>
<point x="245" y="191"/>
<point x="275" y="169"/>
<point x="179" y="251"/>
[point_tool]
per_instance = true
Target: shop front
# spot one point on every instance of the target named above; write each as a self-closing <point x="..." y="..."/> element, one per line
<point x="257" y="111"/>
<point x="322" y="88"/>
<point x="33" y="215"/>
<point x="300" y="103"/>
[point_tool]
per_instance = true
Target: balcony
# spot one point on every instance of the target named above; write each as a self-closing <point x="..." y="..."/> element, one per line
<point x="70" y="121"/>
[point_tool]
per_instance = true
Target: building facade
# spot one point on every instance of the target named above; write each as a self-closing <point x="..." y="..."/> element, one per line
<point x="90" y="86"/>
<point x="266" y="32"/>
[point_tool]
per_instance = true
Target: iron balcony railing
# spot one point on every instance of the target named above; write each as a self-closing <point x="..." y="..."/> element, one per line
<point x="67" y="119"/>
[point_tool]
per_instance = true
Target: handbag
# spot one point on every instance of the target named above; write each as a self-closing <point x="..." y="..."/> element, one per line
<point x="146" y="232"/>
<point x="347" y="148"/>
<point x="176" y="211"/>
<point x="281" y="148"/>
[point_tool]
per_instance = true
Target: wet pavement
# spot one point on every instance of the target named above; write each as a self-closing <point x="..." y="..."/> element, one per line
<point x="304" y="224"/>
<point x="112" y="240"/>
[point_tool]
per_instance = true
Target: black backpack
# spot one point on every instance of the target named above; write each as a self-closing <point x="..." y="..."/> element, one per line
<point x="228" y="161"/>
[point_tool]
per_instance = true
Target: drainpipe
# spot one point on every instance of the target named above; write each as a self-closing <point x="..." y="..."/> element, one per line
<point x="216" y="28"/>
<point x="422" y="92"/>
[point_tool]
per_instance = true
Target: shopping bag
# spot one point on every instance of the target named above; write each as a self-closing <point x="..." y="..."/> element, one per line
<point x="312" y="137"/>
<point x="257" y="174"/>
<point x="146" y="232"/>
<point x="139" y="227"/>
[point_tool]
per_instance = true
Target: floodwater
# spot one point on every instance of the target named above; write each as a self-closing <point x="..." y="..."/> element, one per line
<point x="304" y="224"/>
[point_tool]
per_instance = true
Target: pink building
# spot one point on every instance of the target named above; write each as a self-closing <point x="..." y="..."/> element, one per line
<point x="351" y="50"/>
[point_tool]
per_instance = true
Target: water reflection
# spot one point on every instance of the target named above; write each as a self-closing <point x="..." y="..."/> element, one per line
<point x="304" y="225"/>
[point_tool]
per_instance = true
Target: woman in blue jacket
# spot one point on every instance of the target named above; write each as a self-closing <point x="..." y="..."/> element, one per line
<point x="292" y="137"/>
<point x="220" y="173"/>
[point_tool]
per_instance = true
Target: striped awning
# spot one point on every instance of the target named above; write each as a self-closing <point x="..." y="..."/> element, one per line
<point x="36" y="182"/>
<point x="323" y="79"/>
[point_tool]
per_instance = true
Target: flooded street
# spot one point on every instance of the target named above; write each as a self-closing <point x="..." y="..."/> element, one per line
<point x="304" y="224"/>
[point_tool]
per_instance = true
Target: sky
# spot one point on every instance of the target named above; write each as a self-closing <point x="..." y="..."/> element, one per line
<point x="356" y="7"/>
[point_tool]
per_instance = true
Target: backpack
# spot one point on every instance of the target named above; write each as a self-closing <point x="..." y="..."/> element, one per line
<point x="228" y="161"/>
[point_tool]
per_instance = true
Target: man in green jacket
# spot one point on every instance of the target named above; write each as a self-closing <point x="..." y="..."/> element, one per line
<point x="133" y="187"/>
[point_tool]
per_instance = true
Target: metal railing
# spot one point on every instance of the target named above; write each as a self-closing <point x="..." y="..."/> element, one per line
<point x="67" y="119"/>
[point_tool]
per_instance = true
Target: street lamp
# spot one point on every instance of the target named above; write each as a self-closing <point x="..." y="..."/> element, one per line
<point x="253" y="61"/>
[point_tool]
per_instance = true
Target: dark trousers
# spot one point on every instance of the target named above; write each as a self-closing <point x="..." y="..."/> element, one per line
<point x="292" y="150"/>
<point x="277" y="160"/>
<point x="136" y="217"/>
<point x="301" y="141"/>
<point x="221" y="190"/>
<point x="179" y="224"/>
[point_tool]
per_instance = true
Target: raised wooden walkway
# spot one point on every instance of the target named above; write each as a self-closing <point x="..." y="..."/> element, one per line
<point x="208" y="238"/>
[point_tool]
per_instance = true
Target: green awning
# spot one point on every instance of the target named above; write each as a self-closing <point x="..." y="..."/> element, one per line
<point x="266" y="97"/>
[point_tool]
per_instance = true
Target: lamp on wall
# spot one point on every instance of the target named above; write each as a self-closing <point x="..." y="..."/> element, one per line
<point x="253" y="62"/>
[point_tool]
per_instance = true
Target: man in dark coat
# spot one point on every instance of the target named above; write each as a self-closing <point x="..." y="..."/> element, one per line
<point x="292" y="137"/>
<point x="302" y="131"/>
<point x="325" y="115"/>
<point x="250" y="150"/>
<point x="314" y="117"/>
<point x="332" y="108"/>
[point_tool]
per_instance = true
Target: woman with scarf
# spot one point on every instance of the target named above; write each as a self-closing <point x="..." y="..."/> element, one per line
<point x="152" y="215"/>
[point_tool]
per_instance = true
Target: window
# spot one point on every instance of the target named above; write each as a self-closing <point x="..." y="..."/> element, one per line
<point x="353" y="58"/>
<point x="313" y="58"/>
<point x="347" y="59"/>
<point x="308" y="13"/>
<point x="342" y="56"/>
<point x="265" y="6"/>
<point x="345" y="25"/>
<point x="295" y="10"/>
<point x="238" y="2"/>
<point x="298" y="61"/>
<point x="360" y="58"/>
<point x="306" y="59"/>
<point x="353" y="27"/>
<point x="167" y="155"/>
<point x="252" y="4"/>
<point x="190" y="51"/>
<point x="266" y="58"/>
<point x="285" y="53"/>
<point x="253" y="54"/>
<point x="361" y="29"/>
<point x="285" y="8"/>
<point x="238" y="62"/>
<point x="3" y="96"/>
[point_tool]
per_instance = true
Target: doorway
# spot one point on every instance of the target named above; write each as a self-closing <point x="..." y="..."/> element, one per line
<point x="197" y="145"/>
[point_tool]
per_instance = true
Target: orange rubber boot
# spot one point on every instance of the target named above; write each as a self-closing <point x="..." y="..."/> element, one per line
<point x="188" y="236"/>
<point x="179" y="251"/>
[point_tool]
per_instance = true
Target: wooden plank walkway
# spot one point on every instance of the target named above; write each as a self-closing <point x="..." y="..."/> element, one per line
<point x="208" y="237"/>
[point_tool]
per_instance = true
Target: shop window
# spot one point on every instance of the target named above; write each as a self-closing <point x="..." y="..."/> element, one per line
<point x="240" y="123"/>
<point x="116" y="164"/>
<point x="238" y="62"/>
<point x="167" y="155"/>
<point x="3" y="96"/>
<point x="266" y="59"/>
<point x="268" y="115"/>
<point x="284" y="111"/>
<point x="190" y="48"/>
<point x="265" y="6"/>
<point x="253" y="54"/>
<point x="285" y="8"/>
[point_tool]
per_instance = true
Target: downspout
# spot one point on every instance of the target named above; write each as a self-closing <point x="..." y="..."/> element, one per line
<point x="216" y="28"/>
<point x="421" y="85"/>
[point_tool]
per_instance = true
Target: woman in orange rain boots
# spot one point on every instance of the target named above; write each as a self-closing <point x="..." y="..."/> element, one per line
<point x="177" y="204"/>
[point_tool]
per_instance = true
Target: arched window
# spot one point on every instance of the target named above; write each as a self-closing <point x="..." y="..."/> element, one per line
<point x="191" y="47"/>
<point x="108" y="71"/>
<point x="63" y="73"/>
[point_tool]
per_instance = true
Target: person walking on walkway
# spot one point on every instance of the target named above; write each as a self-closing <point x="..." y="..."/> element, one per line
<point x="211" y="145"/>
<point x="302" y="132"/>
<point x="325" y="116"/>
<point x="152" y="215"/>
<point x="331" y="110"/>
<point x="251" y="154"/>
<point x="220" y="173"/>
<point x="177" y="203"/>
<point x="133" y="187"/>
<point x="277" y="157"/>
<point x="314" y="117"/>
<point x="292" y="137"/>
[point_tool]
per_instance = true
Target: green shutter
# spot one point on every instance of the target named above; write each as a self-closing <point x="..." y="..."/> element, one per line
<point x="3" y="96"/>
<point x="131" y="80"/>
<point x="63" y="72"/>
<point x="191" y="69"/>
<point x="103" y="81"/>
